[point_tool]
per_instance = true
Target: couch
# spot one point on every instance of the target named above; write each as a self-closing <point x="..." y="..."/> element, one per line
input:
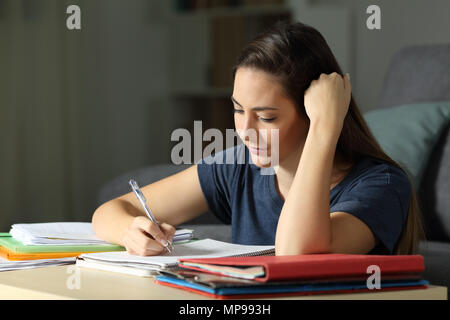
<point x="415" y="74"/>
<point x="422" y="74"/>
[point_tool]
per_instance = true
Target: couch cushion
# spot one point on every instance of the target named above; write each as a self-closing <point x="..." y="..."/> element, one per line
<point x="421" y="73"/>
<point x="145" y="175"/>
<point x="434" y="192"/>
<point x="408" y="133"/>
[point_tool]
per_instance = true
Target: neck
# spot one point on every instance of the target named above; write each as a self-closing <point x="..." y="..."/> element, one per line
<point x="285" y="172"/>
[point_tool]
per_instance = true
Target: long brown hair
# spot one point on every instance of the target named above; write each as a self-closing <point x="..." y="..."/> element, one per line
<point x="296" y="54"/>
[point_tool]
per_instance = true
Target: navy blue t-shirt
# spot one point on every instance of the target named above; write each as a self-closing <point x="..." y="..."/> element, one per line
<point x="374" y="191"/>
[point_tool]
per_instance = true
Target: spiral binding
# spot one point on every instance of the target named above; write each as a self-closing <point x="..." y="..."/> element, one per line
<point x="267" y="252"/>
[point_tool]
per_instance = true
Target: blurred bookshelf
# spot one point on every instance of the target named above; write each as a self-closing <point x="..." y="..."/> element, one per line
<point x="206" y="39"/>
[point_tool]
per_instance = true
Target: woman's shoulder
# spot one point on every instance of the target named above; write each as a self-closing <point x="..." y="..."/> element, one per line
<point x="370" y="173"/>
<point x="371" y="166"/>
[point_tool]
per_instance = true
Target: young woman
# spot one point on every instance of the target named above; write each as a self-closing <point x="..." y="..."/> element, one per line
<point x="334" y="189"/>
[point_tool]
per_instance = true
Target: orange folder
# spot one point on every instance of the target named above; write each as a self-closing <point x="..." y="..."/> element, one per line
<point x="16" y="256"/>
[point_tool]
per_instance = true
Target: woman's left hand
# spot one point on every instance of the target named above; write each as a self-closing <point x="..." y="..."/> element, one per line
<point x="327" y="101"/>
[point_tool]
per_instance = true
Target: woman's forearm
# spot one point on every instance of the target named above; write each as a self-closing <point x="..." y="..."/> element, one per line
<point x="304" y="225"/>
<point x="112" y="218"/>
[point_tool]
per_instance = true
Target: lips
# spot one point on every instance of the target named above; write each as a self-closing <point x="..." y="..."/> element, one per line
<point x="255" y="150"/>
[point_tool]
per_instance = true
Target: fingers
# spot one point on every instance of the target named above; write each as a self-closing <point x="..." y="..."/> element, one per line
<point x="145" y="237"/>
<point x="345" y="79"/>
<point x="347" y="83"/>
<point x="136" y="242"/>
<point x="146" y="244"/>
<point x="152" y="229"/>
<point x="168" y="230"/>
<point x="129" y="245"/>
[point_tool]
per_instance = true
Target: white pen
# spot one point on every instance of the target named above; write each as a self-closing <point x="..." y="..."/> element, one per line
<point x="137" y="191"/>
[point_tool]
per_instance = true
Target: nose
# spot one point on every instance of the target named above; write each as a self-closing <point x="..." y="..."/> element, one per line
<point x="247" y="123"/>
<point x="247" y="129"/>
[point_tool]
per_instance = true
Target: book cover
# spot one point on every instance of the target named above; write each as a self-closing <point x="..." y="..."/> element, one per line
<point x="314" y="265"/>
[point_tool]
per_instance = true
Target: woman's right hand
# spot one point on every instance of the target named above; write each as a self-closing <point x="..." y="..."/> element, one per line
<point x="143" y="237"/>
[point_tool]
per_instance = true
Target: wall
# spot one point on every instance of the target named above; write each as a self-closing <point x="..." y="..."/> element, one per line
<point x="78" y="108"/>
<point x="403" y="23"/>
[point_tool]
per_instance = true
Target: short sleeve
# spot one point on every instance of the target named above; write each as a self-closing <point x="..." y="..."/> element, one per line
<point x="217" y="175"/>
<point x="381" y="200"/>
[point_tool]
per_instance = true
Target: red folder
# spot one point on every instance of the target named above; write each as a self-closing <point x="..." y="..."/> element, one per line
<point x="310" y="266"/>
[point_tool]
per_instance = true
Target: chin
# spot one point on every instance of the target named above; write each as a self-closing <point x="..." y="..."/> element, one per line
<point x="262" y="162"/>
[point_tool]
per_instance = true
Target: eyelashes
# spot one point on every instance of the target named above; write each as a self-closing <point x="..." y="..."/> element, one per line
<point x="262" y="119"/>
<point x="267" y="120"/>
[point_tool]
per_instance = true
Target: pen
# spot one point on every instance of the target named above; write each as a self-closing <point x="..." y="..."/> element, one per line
<point x="137" y="191"/>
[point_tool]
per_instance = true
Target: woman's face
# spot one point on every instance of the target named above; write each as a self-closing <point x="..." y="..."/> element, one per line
<point x="260" y="106"/>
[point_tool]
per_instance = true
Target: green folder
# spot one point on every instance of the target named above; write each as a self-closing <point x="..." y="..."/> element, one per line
<point x="16" y="246"/>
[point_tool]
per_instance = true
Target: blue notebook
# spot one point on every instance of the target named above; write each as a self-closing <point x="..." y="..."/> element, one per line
<point x="268" y="288"/>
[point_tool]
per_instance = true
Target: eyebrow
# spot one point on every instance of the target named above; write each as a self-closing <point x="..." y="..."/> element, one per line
<point x="255" y="108"/>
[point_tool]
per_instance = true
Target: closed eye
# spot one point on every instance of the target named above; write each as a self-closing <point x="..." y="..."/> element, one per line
<point x="261" y="118"/>
<point x="267" y="119"/>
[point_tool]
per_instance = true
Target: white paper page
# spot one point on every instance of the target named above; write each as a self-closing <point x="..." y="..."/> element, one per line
<point x="7" y="265"/>
<point x="62" y="230"/>
<point x="206" y="248"/>
<point x="5" y="262"/>
<point x="66" y="233"/>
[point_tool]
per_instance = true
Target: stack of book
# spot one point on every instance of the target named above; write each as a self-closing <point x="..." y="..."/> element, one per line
<point x="32" y="245"/>
<point x="268" y="276"/>
<point x="56" y="243"/>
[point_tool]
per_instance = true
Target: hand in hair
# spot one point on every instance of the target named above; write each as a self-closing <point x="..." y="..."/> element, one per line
<point x="327" y="101"/>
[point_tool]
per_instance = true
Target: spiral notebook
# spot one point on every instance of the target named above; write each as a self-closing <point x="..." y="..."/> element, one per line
<point x="146" y="265"/>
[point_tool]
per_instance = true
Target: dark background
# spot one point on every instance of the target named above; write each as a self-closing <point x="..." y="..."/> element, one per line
<point x="79" y="107"/>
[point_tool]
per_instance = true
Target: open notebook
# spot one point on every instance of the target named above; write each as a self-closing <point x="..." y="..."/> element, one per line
<point x="147" y="266"/>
